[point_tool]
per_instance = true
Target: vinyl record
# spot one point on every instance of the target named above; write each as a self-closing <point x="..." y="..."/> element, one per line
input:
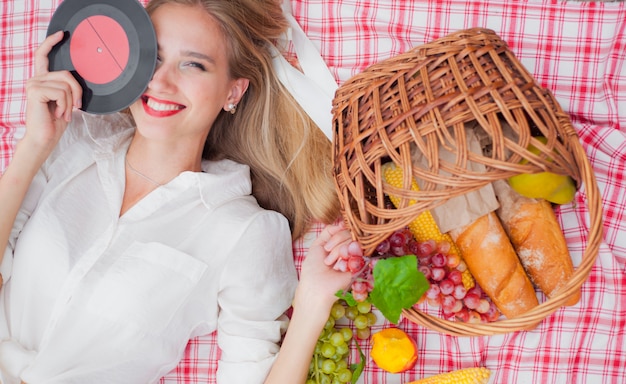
<point x="109" y="47"/>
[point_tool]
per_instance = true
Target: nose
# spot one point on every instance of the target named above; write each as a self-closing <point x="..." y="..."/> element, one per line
<point x="162" y="78"/>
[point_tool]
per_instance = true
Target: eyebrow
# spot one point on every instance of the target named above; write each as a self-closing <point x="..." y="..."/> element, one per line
<point x="198" y="55"/>
<point x="193" y="54"/>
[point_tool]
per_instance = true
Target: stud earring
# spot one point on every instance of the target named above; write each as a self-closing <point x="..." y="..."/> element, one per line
<point x="232" y="108"/>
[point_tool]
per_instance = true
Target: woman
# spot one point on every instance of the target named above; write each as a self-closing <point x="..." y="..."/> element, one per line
<point x="126" y="237"/>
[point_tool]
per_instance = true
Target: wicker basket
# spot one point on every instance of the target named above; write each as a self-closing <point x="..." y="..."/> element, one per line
<point x="424" y="98"/>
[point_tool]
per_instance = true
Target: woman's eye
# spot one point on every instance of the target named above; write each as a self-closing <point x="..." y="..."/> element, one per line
<point x="194" y="64"/>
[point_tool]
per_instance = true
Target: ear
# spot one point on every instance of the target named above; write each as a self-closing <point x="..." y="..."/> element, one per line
<point x="238" y="88"/>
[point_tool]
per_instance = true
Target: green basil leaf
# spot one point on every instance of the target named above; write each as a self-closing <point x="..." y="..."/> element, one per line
<point x="398" y="285"/>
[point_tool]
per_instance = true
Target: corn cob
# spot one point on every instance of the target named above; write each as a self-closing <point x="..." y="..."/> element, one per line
<point x="478" y="375"/>
<point x="423" y="227"/>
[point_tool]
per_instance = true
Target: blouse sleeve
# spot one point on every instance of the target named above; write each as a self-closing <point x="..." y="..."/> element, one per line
<point x="30" y="202"/>
<point x="256" y="289"/>
<point x="28" y="206"/>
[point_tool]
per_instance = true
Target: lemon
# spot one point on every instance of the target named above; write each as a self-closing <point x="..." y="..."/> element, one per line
<point x="555" y="188"/>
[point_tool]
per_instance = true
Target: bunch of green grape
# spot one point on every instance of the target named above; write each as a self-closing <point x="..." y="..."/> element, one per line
<point x="330" y="363"/>
<point x="362" y="317"/>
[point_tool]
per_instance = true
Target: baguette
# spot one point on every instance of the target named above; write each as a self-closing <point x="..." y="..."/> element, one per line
<point x="491" y="259"/>
<point x="538" y="240"/>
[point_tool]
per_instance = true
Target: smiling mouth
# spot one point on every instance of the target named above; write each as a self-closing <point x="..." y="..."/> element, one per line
<point x="161" y="106"/>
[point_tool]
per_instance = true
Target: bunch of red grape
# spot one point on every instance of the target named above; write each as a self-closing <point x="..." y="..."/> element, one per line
<point x="444" y="270"/>
<point x="361" y="268"/>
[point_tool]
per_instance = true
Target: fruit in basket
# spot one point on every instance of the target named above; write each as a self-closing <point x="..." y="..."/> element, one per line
<point x="555" y="188"/>
<point x="478" y="375"/>
<point x="393" y="350"/>
<point x="446" y="274"/>
<point x="423" y="228"/>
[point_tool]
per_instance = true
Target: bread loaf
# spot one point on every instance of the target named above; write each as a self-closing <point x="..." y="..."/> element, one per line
<point x="537" y="238"/>
<point x="492" y="260"/>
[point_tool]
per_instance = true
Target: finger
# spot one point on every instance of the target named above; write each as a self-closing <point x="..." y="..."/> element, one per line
<point x="62" y="80"/>
<point x="327" y="233"/>
<point x="63" y="101"/>
<point x="75" y="90"/>
<point x="338" y="252"/>
<point x="341" y="265"/>
<point x="58" y="93"/>
<point x="41" y="53"/>
<point x="340" y="237"/>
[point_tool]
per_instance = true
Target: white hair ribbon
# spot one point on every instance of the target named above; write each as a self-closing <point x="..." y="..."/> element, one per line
<point x="313" y="88"/>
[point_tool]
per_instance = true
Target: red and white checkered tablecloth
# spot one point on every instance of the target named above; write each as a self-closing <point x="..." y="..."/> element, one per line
<point x="578" y="50"/>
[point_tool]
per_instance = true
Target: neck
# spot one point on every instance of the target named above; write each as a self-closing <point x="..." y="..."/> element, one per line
<point x="161" y="162"/>
<point x="148" y="169"/>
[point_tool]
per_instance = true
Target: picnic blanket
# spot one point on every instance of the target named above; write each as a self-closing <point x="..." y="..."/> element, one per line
<point x="575" y="49"/>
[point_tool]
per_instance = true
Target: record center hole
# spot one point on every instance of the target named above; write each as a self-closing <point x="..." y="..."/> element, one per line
<point x="99" y="50"/>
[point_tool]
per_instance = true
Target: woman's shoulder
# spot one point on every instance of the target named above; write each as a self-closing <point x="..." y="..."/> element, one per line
<point x="225" y="183"/>
<point x="231" y="219"/>
<point x="227" y="189"/>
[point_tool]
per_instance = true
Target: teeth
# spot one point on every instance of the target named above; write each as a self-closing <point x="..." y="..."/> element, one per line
<point x="162" y="107"/>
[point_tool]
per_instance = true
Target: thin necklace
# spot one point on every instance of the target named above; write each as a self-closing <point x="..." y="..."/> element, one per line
<point x="142" y="175"/>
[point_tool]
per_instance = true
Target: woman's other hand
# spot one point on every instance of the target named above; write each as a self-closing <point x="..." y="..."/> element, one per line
<point x="315" y="295"/>
<point x="319" y="277"/>
<point x="51" y="98"/>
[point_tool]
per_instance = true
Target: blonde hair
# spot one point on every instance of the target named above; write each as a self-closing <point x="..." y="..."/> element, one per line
<point x="289" y="156"/>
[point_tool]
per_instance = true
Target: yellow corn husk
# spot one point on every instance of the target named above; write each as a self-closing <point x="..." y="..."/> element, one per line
<point x="478" y="375"/>
<point x="423" y="227"/>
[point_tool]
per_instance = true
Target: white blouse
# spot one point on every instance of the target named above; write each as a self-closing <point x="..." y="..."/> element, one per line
<point x="91" y="297"/>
